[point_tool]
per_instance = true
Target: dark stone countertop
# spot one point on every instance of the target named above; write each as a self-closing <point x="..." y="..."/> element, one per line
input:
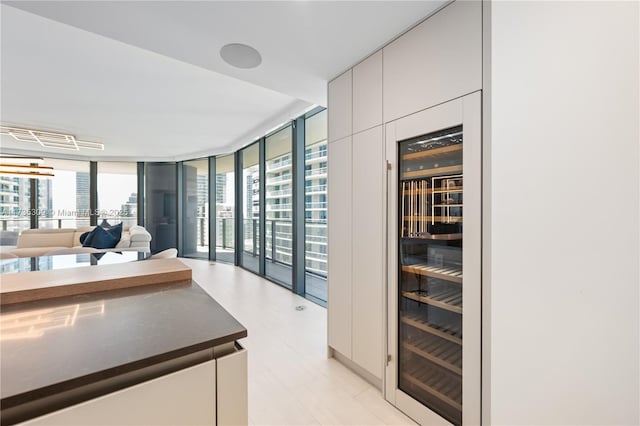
<point x="52" y="346"/>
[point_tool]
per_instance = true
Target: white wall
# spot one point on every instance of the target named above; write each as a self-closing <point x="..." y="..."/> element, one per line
<point x="564" y="213"/>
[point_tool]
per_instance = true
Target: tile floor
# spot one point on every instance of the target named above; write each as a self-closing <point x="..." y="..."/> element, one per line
<point x="291" y="381"/>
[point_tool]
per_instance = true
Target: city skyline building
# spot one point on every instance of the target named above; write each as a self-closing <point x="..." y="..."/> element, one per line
<point x="82" y="193"/>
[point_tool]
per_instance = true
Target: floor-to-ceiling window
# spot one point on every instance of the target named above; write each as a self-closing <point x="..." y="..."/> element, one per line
<point x="63" y="201"/>
<point x="195" y="205"/>
<point x="250" y="207"/>
<point x="161" y="205"/>
<point x="225" y="206"/>
<point x="279" y="207"/>
<point x="315" y="213"/>
<point x="258" y="202"/>
<point x="117" y="193"/>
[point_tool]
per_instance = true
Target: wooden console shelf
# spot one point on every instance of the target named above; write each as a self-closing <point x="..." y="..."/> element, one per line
<point x="38" y="285"/>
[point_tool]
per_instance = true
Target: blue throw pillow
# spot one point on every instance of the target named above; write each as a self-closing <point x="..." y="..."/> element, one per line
<point x="100" y="239"/>
<point x="115" y="230"/>
<point x="83" y="237"/>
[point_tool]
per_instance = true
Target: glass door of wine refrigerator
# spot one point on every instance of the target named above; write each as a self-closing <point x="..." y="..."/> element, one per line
<point x="434" y="233"/>
<point x="431" y="199"/>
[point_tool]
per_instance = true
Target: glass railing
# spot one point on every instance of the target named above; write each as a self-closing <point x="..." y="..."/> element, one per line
<point x="202" y="232"/>
<point x="315" y="172"/>
<point x="278" y="165"/>
<point x="316" y="205"/>
<point x="315" y="189"/>
<point x="17" y="224"/>
<point x="279" y="240"/>
<point x="281" y="193"/>
<point x="321" y="239"/>
<point x="251" y="236"/>
<point x="62" y="222"/>
<point x="225" y="232"/>
<point x="315" y="247"/>
<point x="14" y="223"/>
<point x="127" y="221"/>
<point x="276" y="179"/>
<point x="279" y="207"/>
<point x="317" y="154"/>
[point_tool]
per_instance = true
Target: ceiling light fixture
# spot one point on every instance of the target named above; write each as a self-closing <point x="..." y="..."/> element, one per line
<point x="18" y="166"/>
<point x="240" y="55"/>
<point x="49" y="139"/>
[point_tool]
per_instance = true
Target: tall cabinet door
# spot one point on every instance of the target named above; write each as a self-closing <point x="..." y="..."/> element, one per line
<point x="368" y="250"/>
<point x="434" y="234"/>
<point x="339" y="254"/>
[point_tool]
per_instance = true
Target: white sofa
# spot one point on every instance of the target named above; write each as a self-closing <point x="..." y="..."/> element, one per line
<point x="40" y="242"/>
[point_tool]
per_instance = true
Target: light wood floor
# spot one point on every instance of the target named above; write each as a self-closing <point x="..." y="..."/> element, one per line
<point x="291" y="381"/>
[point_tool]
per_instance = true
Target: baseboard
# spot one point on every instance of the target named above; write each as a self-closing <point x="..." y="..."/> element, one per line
<point x="373" y="380"/>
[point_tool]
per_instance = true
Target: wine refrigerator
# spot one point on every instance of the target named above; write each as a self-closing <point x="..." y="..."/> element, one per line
<point x="436" y="188"/>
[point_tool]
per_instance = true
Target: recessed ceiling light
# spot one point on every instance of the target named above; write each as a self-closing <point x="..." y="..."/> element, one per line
<point x="240" y="55"/>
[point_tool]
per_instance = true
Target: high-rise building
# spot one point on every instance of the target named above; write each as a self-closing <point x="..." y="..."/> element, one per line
<point x="202" y="194"/>
<point x="45" y="198"/>
<point x="15" y="194"/>
<point x="278" y="214"/>
<point x="82" y="194"/>
<point x="315" y="213"/>
<point x="279" y="207"/>
<point x="130" y="207"/>
<point x="10" y="195"/>
<point x="221" y="185"/>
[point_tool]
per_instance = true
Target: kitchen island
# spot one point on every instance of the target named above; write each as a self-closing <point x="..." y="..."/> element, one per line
<point x="152" y="355"/>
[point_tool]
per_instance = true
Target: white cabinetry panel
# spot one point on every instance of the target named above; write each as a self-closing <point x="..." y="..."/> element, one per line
<point x="339" y="253"/>
<point x="340" y="107"/>
<point x="368" y="251"/>
<point x="367" y="93"/>
<point x="186" y="397"/>
<point x="232" y="395"/>
<point x="439" y="60"/>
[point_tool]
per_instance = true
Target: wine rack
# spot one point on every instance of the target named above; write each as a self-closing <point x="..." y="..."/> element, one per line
<point x="436" y="382"/>
<point x="439" y="351"/>
<point x="449" y="332"/>
<point x="430" y="307"/>
<point x="452" y="274"/>
<point x="445" y="298"/>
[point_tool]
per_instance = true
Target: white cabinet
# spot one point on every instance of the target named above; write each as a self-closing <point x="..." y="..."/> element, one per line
<point x="435" y="62"/>
<point x="340" y="101"/>
<point x="439" y="60"/>
<point x="210" y="393"/>
<point x="339" y="253"/>
<point x="356" y="253"/>
<point x="367" y="93"/>
<point x="367" y="249"/>
<point x="186" y="397"/>
<point x="232" y="396"/>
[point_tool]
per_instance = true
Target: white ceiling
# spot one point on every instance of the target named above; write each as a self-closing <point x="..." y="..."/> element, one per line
<point x="145" y="78"/>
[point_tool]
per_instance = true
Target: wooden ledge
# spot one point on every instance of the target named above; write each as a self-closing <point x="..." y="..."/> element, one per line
<point x="38" y="285"/>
